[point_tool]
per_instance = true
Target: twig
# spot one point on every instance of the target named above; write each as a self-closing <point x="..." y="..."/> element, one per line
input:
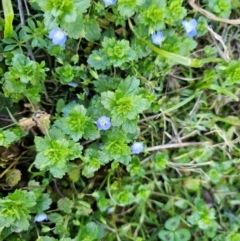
<point x="20" y="8"/>
<point x="225" y="54"/>
<point x="56" y="187"/>
<point x="27" y="9"/>
<point x="177" y="145"/>
<point x="212" y="16"/>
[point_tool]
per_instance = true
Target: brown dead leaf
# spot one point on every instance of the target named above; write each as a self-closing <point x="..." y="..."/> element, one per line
<point x="9" y="153"/>
<point x="26" y="123"/>
<point x="42" y="120"/>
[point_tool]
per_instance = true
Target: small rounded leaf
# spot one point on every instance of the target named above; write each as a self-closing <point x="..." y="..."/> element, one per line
<point x="165" y="235"/>
<point x="182" y="235"/>
<point x="172" y="223"/>
<point x="13" y="177"/>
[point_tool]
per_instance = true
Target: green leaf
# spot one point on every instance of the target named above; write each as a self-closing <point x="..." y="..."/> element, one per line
<point x="45" y="238"/>
<point x="125" y="198"/>
<point x="15" y="209"/>
<point x="91" y="231"/>
<point x="92" y="30"/>
<point x="166" y="235"/>
<point x="172" y="223"/>
<point x="175" y="11"/>
<point x="75" y="29"/>
<point x="82" y="5"/>
<point x="118" y="52"/>
<point x="54" y="154"/>
<point x="24" y="79"/>
<point x="76" y="124"/>
<point x="65" y="205"/>
<point x="214" y="175"/>
<point x="182" y="234"/>
<point x="160" y="161"/>
<point x="8" y="18"/>
<point x="43" y="201"/>
<point x="105" y="83"/>
<point x="55" y="218"/>
<point x="135" y="168"/>
<point x="9" y="136"/>
<point x="127" y="8"/>
<point x="116" y="147"/>
<point x="66" y="73"/>
<point x="130" y="126"/>
<point x="129" y="86"/>
<point x="153" y="15"/>
<point x="93" y="160"/>
<point x="125" y="104"/>
<point x="98" y="60"/>
<point x="192" y="184"/>
<point x="144" y="192"/>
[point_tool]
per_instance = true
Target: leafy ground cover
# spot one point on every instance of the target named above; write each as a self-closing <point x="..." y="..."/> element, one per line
<point x="119" y="120"/>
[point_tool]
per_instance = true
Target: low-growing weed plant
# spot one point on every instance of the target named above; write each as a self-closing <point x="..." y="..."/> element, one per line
<point x="119" y="120"/>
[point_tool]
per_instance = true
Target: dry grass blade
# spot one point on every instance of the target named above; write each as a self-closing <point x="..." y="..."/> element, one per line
<point x="225" y="54"/>
<point x="212" y="16"/>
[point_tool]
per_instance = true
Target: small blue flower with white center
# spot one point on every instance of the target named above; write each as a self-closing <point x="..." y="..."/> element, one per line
<point x="110" y="210"/>
<point x="109" y="2"/>
<point x="157" y="38"/>
<point x="57" y="36"/>
<point x="103" y="123"/>
<point x="73" y="84"/>
<point x="190" y="27"/>
<point x="41" y="217"/>
<point x="137" y="147"/>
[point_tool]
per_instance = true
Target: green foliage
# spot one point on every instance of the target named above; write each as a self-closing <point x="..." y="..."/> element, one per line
<point x="10" y="136"/>
<point x="173" y="233"/>
<point x="67" y="73"/>
<point x="203" y="217"/>
<point x="15" y="210"/>
<point x="76" y="123"/>
<point x="55" y="162"/>
<point x="24" y="79"/>
<point x="153" y="15"/>
<point x="65" y="204"/>
<point x="93" y="160"/>
<point x="116" y="148"/>
<point x="175" y="11"/>
<point x="35" y="32"/>
<point x="128" y="7"/>
<point x="161" y="161"/>
<point x="54" y="152"/>
<point x="221" y="7"/>
<point x="230" y="72"/>
<point x="90" y="232"/>
<point x="125" y="104"/>
<point x="63" y="11"/>
<point x="8" y="16"/>
<point x="114" y="53"/>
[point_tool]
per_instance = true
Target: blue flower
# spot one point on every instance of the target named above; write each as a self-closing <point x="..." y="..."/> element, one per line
<point x="58" y="36"/>
<point x="190" y="27"/>
<point x="157" y="37"/>
<point x="110" y="210"/>
<point x="73" y="84"/>
<point x="109" y="2"/>
<point x="103" y="123"/>
<point x="137" y="147"/>
<point x="41" y="217"/>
